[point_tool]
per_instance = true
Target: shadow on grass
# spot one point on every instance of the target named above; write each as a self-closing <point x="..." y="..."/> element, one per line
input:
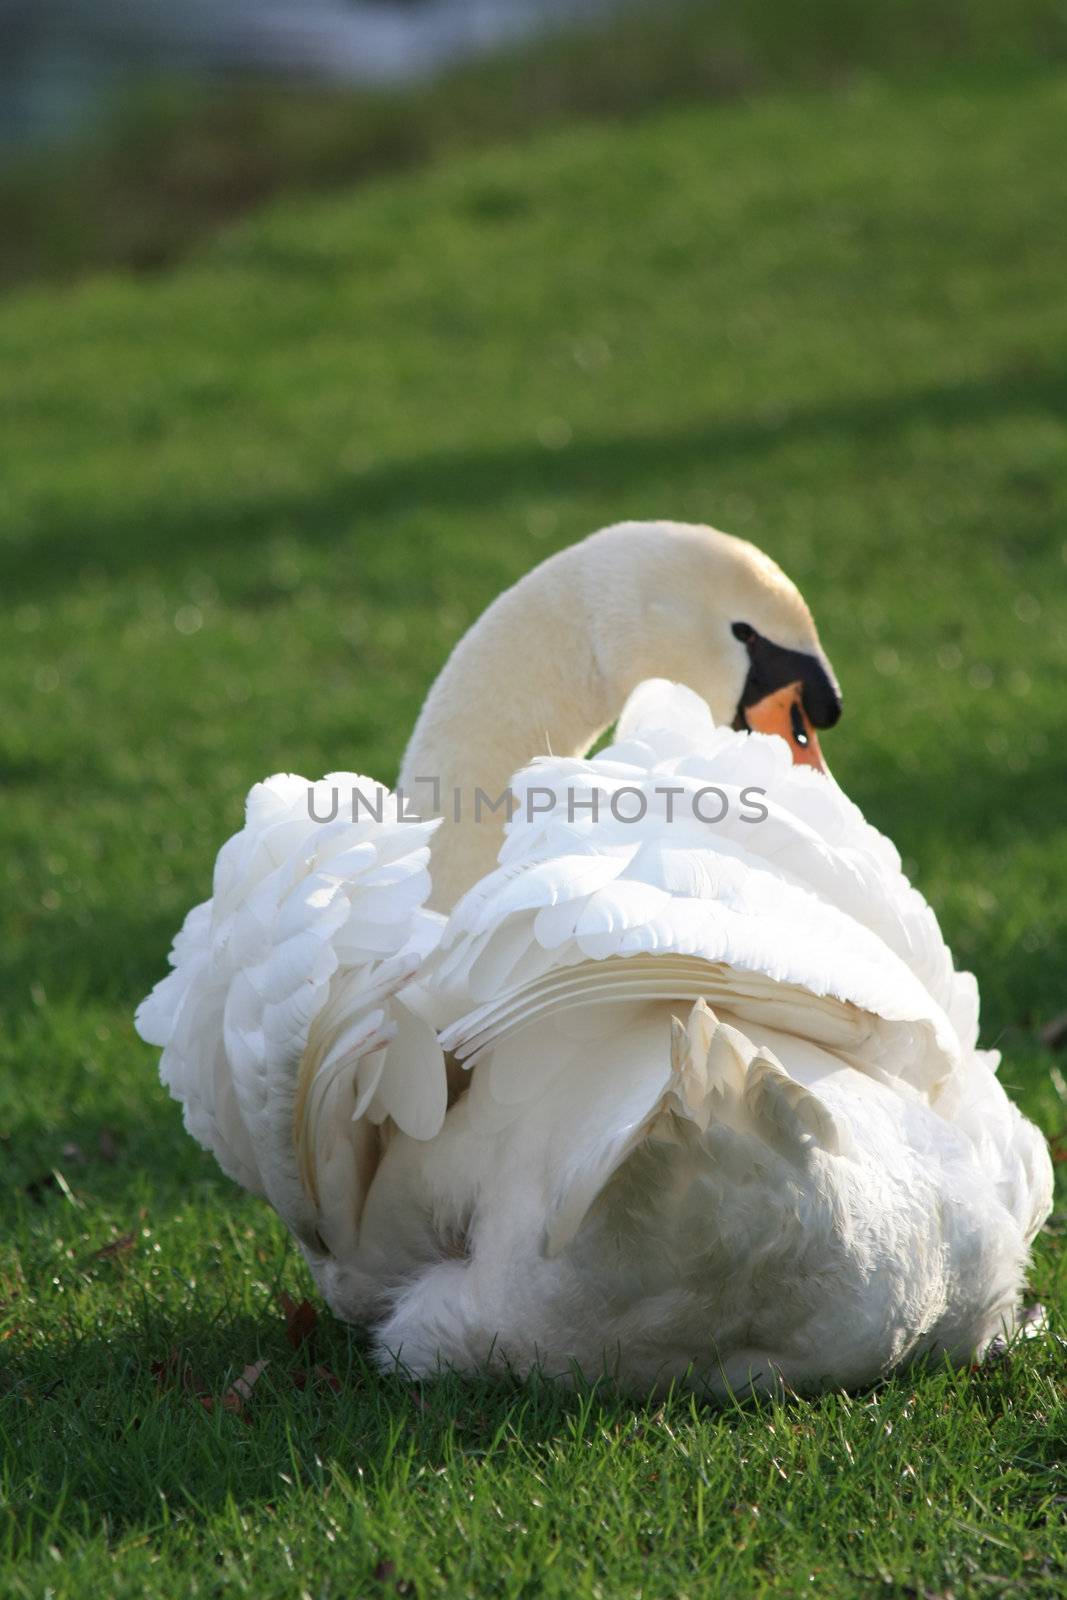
<point x="133" y="1420"/>
<point x="931" y="809"/>
<point x="181" y="534"/>
<point x="95" y="1152"/>
<point x="119" y="1423"/>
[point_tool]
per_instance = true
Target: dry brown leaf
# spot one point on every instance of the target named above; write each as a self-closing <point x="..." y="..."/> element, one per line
<point x="240" y="1391"/>
<point x="301" y="1377"/>
<point x="300" y="1319"/>
<point x="166" y="1371"/>
<point x="117" y="1247"/>
<point x="248" y="1379"/>
<point x="172" y="1370"/>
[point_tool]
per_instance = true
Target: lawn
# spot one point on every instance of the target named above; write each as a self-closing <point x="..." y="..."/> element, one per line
<point x="246" y="507"/>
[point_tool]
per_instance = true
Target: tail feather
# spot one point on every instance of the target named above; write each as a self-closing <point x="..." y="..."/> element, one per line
<point x="717" y="1077"/>
<point x="787" y="1110"/>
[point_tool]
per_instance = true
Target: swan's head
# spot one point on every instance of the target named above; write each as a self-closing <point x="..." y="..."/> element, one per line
<point x="671" y="600"/>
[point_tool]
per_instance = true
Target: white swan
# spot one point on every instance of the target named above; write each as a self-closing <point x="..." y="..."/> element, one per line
<point x="685" y="1088"/>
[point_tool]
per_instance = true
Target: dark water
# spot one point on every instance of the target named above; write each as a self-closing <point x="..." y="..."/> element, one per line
<point x="60" y="59"/>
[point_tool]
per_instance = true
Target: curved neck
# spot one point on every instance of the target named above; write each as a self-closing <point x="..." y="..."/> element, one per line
<point x="524" y="681"/>
<point x="551" y="663"/>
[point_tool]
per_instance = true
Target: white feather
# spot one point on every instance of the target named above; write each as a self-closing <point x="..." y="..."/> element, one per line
<point x="284" y="985"/>
<point x="715" y="1112"/>
<point x="725" y="1105"/>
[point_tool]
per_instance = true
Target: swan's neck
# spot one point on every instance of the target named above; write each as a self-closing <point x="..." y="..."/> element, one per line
<point x="524" y="681"/>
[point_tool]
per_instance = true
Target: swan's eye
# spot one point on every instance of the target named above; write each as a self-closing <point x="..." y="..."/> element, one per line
<point x="742" y="631"/>
<point x="800" y="731"/>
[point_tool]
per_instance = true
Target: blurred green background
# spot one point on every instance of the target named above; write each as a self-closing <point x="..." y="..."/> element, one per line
<point x="277" y="420"/>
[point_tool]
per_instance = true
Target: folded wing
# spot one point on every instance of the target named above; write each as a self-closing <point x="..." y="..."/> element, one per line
<point x="286" y="1025"/>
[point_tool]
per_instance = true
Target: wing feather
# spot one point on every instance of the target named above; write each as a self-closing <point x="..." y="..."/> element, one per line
<point x="283" y="1017"/>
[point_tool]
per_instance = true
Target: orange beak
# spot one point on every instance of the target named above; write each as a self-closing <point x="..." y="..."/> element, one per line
<point x="783" y="713"/>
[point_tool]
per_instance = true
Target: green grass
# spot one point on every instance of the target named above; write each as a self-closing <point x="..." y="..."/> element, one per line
<point x="246" y="507"/>
<point x="176" y="159"/>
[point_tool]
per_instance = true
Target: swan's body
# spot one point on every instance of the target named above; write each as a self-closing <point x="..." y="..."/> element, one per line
<point x="716" y="1111"/>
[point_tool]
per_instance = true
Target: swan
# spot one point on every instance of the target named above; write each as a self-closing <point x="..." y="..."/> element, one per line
<point x="649" y="1063"/>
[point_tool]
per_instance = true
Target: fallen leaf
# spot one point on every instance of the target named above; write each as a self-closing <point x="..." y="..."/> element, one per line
<point x="173" y="1370"/>
<point x="300" y="1319"/>
<point x="249" y="1378"/>
<point x="166" y="1371"/>
<point x="302" y="1376"/>
<point x="240" y="1391"/>
<point x="117" y="1247"/>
